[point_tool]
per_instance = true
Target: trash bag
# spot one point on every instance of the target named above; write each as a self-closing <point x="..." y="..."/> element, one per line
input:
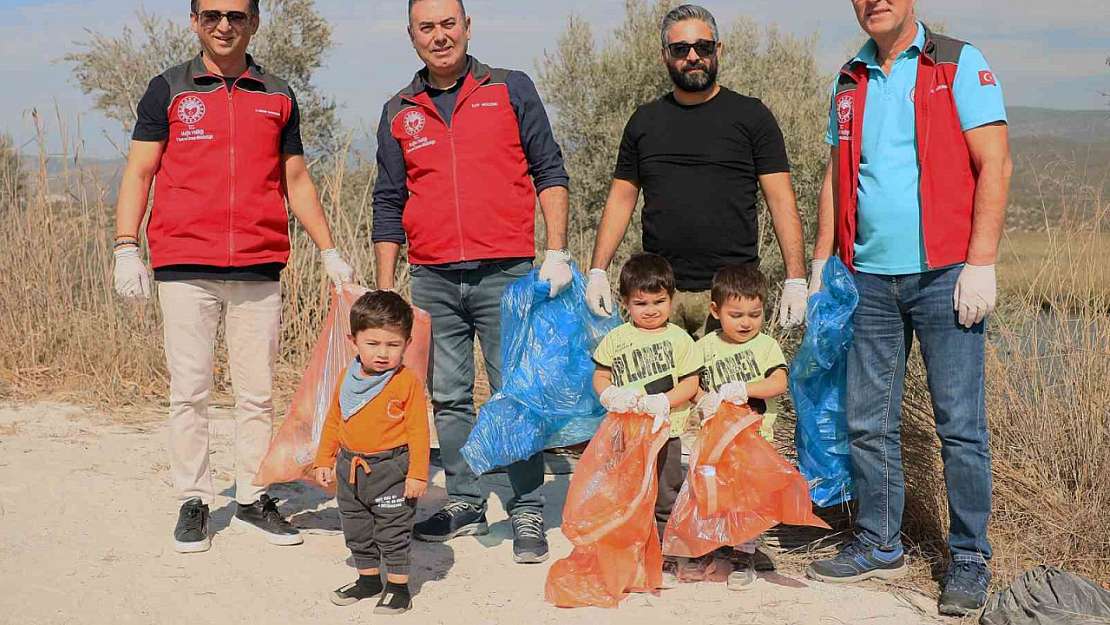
<point x="818" y="381"/>
<point x="547" y="397"/>
<point x="294" y="448"/>
<point x="609" y="517"/>
<point x="1048" y="596"/>
<point x="738" y="486"/>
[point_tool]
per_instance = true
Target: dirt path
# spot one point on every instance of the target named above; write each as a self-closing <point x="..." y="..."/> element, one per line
<point x="86" y="513"/>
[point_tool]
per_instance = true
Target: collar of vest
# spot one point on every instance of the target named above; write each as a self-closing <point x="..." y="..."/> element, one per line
<point x="477" y="73"/>
<point x="198" y="70"/>
<point x="857" y="69"/>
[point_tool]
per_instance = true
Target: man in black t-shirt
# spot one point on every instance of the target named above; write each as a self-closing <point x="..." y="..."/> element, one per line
<point x="700" y="153"/>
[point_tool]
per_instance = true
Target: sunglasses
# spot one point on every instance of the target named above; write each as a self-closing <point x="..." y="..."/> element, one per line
<point x="705" y="48"/>
<point x="211" y="19"/>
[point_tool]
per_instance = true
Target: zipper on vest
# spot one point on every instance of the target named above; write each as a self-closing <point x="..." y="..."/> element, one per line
<point x="455" y="182"/>
<point x="231" y="175"/>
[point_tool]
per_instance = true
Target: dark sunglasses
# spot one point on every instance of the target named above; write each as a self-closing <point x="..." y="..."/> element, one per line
<point x="211" y="19"/>
<point x="706" y="49"/>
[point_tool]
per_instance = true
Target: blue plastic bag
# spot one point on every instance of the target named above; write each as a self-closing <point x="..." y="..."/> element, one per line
<point x="546" y="397"/>
<point x="818" y="381"/>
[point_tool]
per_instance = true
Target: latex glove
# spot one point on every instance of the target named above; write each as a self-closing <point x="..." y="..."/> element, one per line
<point x="792" y="308"/>
<point x="708" y="405"/>
<point x="620" y="400"/>
<point x="976" y="294"/>
<point x="816" y="271"/>
<point x="599" y="297"/>
<point x="734" y="393"/>
<point x="555" y="270"/>
<point x="337" y="269"/>
<point x="131" y="277"/>
<point x="659" y="408"/>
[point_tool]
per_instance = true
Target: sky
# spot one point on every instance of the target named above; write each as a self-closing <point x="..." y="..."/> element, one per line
<point x="1048" y="54"/>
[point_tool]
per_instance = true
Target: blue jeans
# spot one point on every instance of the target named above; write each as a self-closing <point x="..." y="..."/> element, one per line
<point x="892" y="309"/>
<point x="462" y="303"/>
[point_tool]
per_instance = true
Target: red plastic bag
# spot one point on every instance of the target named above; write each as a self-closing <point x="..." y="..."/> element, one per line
<point x="738" y="486"/>
<point x="609" y="516"/>
<point x="293" y="449"/>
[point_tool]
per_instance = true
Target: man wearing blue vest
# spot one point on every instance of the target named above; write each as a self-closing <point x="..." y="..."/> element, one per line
<point x="920" y="172"/>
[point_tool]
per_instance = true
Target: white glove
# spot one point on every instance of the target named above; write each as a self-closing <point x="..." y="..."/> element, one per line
<point x="619" y="400"/>
<point x="658" y="407"/>
<point x="708" y="405"/>
<point x="131" y="277"/>
<point x="817" y="270"/>
<point x="599" y="297"/>
<point x="337" y="269"/>
<point x="976" y="294"/>
<point x="734" y="393"/>
<point x="555" y="270"/>
<point x="792" y="308"/>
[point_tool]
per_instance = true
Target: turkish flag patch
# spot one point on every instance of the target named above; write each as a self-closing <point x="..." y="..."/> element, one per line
<point x="986" y="77"/>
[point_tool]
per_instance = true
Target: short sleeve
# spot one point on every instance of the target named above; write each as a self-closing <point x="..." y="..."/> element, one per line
<point x="628" y="157"/>
<point x="604" y="355"/>
<point x="772" y="359"/>
<point x="688" y="356"/>
<point x="768" y="145"/>
<point x="977" y="91"/>
<point x="831" y="131"/>
<point x="152" y="122"/>
<point x="291" y="134"/>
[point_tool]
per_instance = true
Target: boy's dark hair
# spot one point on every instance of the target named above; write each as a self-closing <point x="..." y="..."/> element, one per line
<point x="739" y="281"/>
<point x="194" y="6"/>
<point x="381" y="309"/>
<point x="646" y="272"/>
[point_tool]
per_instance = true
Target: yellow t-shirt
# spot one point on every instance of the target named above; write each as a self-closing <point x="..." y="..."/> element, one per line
<point x="743" y="362"/>
<point x="652" y="361"/>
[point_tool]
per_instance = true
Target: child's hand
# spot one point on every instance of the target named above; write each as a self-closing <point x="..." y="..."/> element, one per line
<point x="415" y="489"/>
<point x="325" y="476"/>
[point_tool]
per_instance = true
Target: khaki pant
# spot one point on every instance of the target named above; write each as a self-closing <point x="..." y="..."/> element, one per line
<point x="690" y="311"/>
<point x="191" y="313"/>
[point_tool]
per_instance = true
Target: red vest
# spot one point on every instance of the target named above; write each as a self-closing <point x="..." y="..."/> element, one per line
<point x="470" y="193"/>
<point x="219" y="199"/>
<point x="948" y="178"/>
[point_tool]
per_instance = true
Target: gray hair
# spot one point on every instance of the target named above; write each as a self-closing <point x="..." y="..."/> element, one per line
<point x="461" y="6"/>
<point x="687" y="12"/>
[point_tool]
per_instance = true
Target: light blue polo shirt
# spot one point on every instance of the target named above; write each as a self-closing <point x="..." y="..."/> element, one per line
<point x="889" y="239"/>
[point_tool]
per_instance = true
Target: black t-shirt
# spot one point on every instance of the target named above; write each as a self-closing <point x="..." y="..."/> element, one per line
<point x="153" y="124"/>
<point x="698" y="167"/>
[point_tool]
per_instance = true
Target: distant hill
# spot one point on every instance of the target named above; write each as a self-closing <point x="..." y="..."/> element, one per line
<point x="1077" y="126"/>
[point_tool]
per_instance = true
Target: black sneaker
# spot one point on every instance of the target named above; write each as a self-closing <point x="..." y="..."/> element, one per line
<point x="857" y="562"/>
<point x="529" y="542"/>
<point x="362" y="588"/>
<point x="965" y="588"/>
<point x="263" y="516"/>
<point x="395" y="599"/>
<point x="457" y="518"/>
<point x="191" y="533"/>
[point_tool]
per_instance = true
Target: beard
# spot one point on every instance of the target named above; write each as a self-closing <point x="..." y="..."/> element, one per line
<point x="695" y="78"/>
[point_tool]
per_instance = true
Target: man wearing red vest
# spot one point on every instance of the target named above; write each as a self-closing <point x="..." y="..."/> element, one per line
<point x="218" y="137"/>
<point x="919" y="174"/>
<point x="463" y="152"/>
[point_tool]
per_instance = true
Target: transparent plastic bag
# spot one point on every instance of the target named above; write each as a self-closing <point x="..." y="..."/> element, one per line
<point x="737" y="487"/>
<point x="546" y="398"/>
<point x="294" y="447"/>
<point x="818" y="381"/>
<point x="609" y="517"/>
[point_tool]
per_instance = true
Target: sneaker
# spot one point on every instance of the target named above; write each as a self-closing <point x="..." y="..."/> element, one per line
<point x="357" y="591"/>
<point x="760" y="561"/>
<point x="395" y="599"/>
<point x="529" y="542"/>
<point x="743" y="578"/>
<point x="191" y="533"/>
<point x="457" y="518"/>
<point x="263" y="516"/>
<point x="670" y="573"/>
<point x="965" y="588"/>
<point x="857" y="562"/>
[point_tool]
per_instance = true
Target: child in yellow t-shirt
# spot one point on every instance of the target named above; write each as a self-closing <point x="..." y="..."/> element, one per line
<point x="651" y="365"/>
<point x="742" y="365"/>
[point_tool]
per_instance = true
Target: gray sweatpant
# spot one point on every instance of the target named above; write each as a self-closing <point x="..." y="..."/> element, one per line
<point x="376" y="517"/>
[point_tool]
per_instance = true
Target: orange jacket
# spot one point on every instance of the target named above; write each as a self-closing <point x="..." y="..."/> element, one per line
<point x="398" y="416"/>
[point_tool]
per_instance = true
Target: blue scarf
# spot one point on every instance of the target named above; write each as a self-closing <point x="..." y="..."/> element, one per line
<point x="360" y="388"/>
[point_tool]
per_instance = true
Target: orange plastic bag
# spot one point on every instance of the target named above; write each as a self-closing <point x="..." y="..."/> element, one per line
<point x="609" y="517"/>
<point x="293" y="449"/>
<point x="738" y="486"/>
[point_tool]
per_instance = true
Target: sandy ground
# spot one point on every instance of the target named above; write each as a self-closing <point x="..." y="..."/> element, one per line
<point x="86" y="515"/>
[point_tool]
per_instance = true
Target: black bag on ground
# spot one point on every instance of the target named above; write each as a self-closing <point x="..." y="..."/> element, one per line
<point x="1048" y="596"/>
